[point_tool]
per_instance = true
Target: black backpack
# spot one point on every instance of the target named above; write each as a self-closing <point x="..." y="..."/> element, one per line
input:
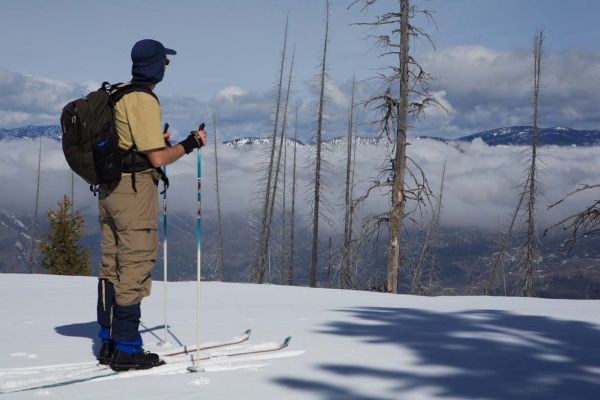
<point x="90" y="140"/>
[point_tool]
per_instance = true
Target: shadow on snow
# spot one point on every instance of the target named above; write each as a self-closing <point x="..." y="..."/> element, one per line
<point x="486" y="354"/>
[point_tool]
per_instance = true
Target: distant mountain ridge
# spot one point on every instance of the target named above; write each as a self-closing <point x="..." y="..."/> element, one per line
<point x="521" y="135"/>
<point x="32" y="132"/>
<point x="507" y="136"/>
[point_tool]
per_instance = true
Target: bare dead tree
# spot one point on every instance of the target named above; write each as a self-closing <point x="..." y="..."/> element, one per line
<point x="284" y="146"/>
<point x="291" y="266"/>
<point x="498" y="261"/>
<point x="406" y="78"/>
<point x="436" y="235"/>
<point x="355" y="245"/>
<point x="284" y="258"/>
<point x="319" y="137"/>
<point x="280" y="149"/>
<point x="221" y="269"/>
<point x="538" y="47"/>
<point x="264" y="239"/>
<point x="345" y="273"/>
<point x="35" y="212"/>
<point x="428" y="253"/>
<point x="329" y="262"/>
<point x="528" y="194"/>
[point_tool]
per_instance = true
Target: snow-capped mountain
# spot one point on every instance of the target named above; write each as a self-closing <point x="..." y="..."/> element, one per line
<point x="337" y="142"/>
<point x="521" y="135"/>
<point x="32" y="132"/>
<point x="515" y="136"/>
<point x="340" y="142"/>
<point x="245" y="141"/>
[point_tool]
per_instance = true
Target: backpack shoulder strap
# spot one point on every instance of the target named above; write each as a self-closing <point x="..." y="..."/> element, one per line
<point x="119" y="92"/>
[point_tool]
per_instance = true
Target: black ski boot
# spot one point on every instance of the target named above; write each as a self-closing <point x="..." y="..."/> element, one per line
<point x="122" y="361"/>
<point x="106" y="352"/>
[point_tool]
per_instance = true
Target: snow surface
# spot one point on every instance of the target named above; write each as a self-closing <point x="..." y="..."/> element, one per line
<point x="346" y="344"/>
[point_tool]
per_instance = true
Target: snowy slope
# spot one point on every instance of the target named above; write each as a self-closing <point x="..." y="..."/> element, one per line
<point x="346" y="344"/>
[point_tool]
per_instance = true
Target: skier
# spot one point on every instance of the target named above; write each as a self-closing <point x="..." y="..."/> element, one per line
<point x="128" y="212"/>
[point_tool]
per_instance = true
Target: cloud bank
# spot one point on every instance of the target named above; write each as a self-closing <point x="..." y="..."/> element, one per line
<point x="480" y="186"/>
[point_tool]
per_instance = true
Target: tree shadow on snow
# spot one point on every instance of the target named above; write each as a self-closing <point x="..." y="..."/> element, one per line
<point x="481" y="354"/>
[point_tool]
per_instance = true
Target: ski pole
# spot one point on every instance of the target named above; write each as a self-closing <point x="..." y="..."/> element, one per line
<point x="165" y="342"/>
<point x="196" y="368"/>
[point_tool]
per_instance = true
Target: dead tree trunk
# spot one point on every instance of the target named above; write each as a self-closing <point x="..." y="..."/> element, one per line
<point x="436" y="234"/>
<point x="399" y="162"/>
<point x="329" y="263"/>
<point x="264" y="240"/>
<point x="499" y="259"/>
<point x="281" y="145"/>
<point x="319" y="137"/>
<point x="345" y="273"/>
<point x="538" y="45"/>
<point x="35" y="212"/>
<point x="353" y="248"/>
<point x="221" y="269"/>
<point x="283" y="270"/>
<point x="290" y="276"/>
<point x="284" y="259"/>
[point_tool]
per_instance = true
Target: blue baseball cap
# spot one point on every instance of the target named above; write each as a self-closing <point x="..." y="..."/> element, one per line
<point x="148" y="51"/>
<point x="148" y="57"/>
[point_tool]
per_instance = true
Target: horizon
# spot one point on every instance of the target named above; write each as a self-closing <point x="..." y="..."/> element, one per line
<point x="343" y="136"/>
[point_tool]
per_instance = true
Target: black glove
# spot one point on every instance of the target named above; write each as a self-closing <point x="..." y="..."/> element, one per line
<point x="191" y="143"/>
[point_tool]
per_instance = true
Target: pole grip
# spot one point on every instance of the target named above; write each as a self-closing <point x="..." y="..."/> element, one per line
<point x="165" y="129"/>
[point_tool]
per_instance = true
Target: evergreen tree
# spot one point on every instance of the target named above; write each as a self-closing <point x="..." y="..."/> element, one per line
<point x="61" y="253"/>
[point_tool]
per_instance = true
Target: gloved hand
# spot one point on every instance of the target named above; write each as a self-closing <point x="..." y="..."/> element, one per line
<point x="192" y="142"/>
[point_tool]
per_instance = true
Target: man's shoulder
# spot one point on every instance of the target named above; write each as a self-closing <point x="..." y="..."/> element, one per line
<point x="138" y="95"/>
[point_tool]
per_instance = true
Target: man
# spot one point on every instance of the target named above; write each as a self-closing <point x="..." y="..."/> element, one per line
<point x="129" y="212"/>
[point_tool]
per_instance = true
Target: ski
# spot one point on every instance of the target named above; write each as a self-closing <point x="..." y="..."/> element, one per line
<point x="208" y="346"/>
<point x="173" y="363"/>
<point x="252" y="350"/>
<point x="245" y="336"/>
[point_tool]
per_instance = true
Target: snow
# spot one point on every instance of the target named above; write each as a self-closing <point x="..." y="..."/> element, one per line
<point x="345" y="344"/>
<point x="11" y="217"/>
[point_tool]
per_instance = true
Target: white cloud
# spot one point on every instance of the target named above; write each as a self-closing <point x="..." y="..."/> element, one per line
<point x="229" y="93"/>
<point x="33" y="99"/>
<point x="490" y="88"/>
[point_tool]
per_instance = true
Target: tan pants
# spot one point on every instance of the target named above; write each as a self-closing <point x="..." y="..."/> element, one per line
<point x="128" y="222"/>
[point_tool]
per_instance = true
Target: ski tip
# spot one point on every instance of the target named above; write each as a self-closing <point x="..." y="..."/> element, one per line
<point x="248" y="332"/>
<point x="287" y="341"/>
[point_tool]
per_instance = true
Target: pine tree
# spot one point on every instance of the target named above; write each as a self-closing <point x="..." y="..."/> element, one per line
<point x="61" y="252"/>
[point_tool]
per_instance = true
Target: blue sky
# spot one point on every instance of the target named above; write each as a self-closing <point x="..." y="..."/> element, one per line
<point x="229" y="50"/>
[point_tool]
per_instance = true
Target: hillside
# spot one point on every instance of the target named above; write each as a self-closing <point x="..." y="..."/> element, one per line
<point x="346" y="344"/>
